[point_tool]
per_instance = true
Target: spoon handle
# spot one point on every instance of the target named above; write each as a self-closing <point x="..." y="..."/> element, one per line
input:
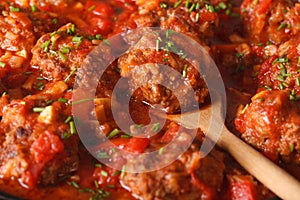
<point x="272" y="176"/>
<point x="268" y="173"/>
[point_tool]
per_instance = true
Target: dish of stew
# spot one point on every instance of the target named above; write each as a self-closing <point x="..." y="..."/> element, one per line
<point x="45" y="45"/>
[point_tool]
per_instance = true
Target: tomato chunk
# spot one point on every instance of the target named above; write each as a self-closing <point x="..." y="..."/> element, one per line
<point x="242" y="191"/>
<point x="171" y="133"/>
<point x="133" y="145"/>
<point x="45" y="147"/>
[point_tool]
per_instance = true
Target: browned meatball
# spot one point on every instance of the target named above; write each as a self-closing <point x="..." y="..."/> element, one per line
<point x="187" y="178"/>
<point x="16" y="39"/>
<point x="37" y="145"/>
<point x="271" y="124"/>
<point x="280" y="71"/>
<point x="45" y="5"/>
<point x="60" y="53"/>
<point x="195" y="19"/>
<point x="19" y="30"/>
<point x="271" y="20"/>
<point x="161" y="76"/>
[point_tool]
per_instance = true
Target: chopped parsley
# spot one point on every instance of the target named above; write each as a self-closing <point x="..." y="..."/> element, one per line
<point x="116" y="173"/>
<point x="68" y="119"/>
<point x="70" y="75"/>
<point x="221" y="6"/>
<point x="184" y="72"/>
<point x="192" y="7"/>
<point x="280" y="77"/>
<point x="14" y="9"/>
<point x="78" y="40"/>
<point x="210" y="7"/>
<point x="285" y="84"/>
<point x="104" y="173"/>
<point x="66" y="135"/>
<point x="65" y="50"/>
<point x="45" y="46"/>
<point x="187" y="3"/>
<point x="63" y="100"/>
<point x="160" y="151"/>
<point x="297" y="81"/>
<point x="91" y="8"/>
<point x="177" y="3"/>
<point x="157" y="44"/>
<point x="38" y="109"/>
<point x="54" y="21"/>
<point x="197" y="17"/>
<point x="197" y="6"/>
<point x="113" y="133"/>
<point x="74" y="184"/>
<point x="34" y="8"/>
<point x="98" y="36"/>
<point x="82" y="101"/>
<point x="245" y="108"/>
<point x="106" y="42"/>
<point x="2" y="64"/>
<point x="62" y="56"/>
<point x="72" y="127"/>
<point x="126" y="136"/>
<point x="281" y="87"/>
<point x="123" y="172"/>
<point x="282" y="26"/>
<point x="156" y="127"/>
<point x="239" y="55"/>
<point x="292" y="147"/>
<point x="169" y="32"/>
<point x="102" y="155"/>
<point x="163" y="5"/>
<point x="98" y="165"/>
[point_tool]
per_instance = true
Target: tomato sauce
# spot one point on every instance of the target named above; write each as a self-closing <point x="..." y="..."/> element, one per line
<point x="45" y="43"/>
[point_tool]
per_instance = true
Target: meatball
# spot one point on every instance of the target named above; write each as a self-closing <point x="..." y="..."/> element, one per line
<point x="20" y="28"/>
<point x="271" y="124"/>
<point x="189" y="177"/>
<point x="37" y="145"/>
<point x="60" y="53"/>
<point x="16" y="39"/>
<point x="46" y="5"/>
<point x="271" y="20"/>
<point x="281" y="70"/>
<point x="160" y="76"/>
<point x="197" y="20"/>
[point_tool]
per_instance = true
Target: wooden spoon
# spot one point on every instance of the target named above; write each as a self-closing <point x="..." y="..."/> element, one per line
<point x="272" y="176"/>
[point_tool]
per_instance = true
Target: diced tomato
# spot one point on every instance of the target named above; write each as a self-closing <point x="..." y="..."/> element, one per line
<point x="171" y="133"/>
<point x="242" y="191"/>
<point x="100" y="25"/>
<point x="99" y="8"/>
<point x="263" y="6"/>
<point x="45" y="147"/>
<point x="42" y="151"/>
<point x="100" y="17"/>
<point x="133" y="145"/>
<point x="137" y="145"/>
<point x="208" y="17"/>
